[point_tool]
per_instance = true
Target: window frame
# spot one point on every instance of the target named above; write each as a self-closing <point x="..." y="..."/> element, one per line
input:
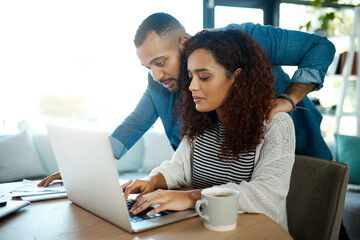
<point x="271" y="8"/>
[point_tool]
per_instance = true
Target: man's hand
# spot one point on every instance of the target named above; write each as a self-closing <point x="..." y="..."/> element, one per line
<point x="297" y="92"/>
<point x="279" y="105"/>
<point x="167" y="200"/>
<point x="49" y="179"/>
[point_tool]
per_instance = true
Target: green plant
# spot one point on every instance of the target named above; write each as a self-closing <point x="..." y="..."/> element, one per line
<point x="330" y="20"/>
<point x="324" y="19"/>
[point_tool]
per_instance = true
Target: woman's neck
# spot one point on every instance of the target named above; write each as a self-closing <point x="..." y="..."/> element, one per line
<point x="220" y="115"/>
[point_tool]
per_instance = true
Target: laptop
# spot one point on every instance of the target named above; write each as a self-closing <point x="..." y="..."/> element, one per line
<point x="11" y="206"/>
<point x="87" y="165"/>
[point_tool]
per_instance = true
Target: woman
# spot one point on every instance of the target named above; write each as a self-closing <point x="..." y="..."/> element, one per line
<point x="225" y="139"/>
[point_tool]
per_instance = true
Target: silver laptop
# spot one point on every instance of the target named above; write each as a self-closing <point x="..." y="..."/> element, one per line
<point x="85" y="160"/>
<point x="12" y="206"/>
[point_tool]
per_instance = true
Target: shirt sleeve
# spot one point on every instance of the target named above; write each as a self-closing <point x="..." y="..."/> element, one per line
<point x="177" y="172"/>
<point x="312" y="53"/>
<point x="134" y="126"/>
<point x="269" y="185"/>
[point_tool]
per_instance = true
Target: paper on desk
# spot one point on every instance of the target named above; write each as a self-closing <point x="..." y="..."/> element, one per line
<point x="35" y="198"/>
<point x="29" y="189"/>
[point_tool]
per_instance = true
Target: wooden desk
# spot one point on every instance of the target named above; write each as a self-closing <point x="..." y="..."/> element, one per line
<point x="60" y="219"/>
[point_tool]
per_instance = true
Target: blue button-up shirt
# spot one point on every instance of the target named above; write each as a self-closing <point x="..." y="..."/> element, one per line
<point x="311" y="53"/>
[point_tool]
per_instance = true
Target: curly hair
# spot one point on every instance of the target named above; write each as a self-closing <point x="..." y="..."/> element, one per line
<point x="249" y="98"/>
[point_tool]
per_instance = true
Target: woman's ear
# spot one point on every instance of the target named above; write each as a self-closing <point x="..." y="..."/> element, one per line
<point x="237" y="72"/>
<point x="183" y="40"/>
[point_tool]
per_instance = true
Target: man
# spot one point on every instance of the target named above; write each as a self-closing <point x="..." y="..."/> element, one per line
<point x="159" y="43"/>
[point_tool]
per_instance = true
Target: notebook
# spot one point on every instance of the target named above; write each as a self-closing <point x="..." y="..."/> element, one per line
<point x="86" y="162"/>
<point x="11" y="206"/>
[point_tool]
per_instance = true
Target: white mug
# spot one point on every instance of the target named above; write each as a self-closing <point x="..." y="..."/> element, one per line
<point x="219" y="208"/>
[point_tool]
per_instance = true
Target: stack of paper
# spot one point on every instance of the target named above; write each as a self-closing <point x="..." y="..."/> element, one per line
<point x="29" y="191"/>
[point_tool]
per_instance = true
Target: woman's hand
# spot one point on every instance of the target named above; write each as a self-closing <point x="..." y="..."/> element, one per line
<point x="141" y="186"/>
<point x="49" y="179"/>
<point x="167" y="200"/>
<point x="144" y="185"/>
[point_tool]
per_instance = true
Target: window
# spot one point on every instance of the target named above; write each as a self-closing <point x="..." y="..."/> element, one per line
<point x="222" y="12"/>
<point x="227" y="15"/>
<point x="292" y="16"/>
<point x="73" y="62"/>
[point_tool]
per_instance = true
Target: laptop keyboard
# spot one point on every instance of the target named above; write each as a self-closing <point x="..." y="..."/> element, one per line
<point x="142" y="216"/>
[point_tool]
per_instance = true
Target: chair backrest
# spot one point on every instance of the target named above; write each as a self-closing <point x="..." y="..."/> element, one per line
<point x="316" y="198"/>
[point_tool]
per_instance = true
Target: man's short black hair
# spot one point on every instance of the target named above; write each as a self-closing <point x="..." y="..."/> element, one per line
<point x="161" y="23"/>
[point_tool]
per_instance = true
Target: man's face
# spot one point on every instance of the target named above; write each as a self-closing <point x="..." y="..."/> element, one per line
<point x="162" y="57"/>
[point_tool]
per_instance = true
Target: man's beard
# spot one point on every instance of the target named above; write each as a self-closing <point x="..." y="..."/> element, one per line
<point x="174" y="86"/>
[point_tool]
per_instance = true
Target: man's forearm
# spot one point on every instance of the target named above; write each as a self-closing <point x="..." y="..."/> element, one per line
<point x="298" y="91"/>
<point x="313" y="54"/>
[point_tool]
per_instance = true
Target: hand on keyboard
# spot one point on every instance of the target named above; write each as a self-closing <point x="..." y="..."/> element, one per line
<point x="142" y="216"/>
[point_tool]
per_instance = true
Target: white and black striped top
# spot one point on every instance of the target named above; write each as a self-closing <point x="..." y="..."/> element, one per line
<point x="208" y="170"/>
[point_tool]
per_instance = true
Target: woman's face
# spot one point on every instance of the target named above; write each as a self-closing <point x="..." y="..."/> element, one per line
<point x="209" y="83"/>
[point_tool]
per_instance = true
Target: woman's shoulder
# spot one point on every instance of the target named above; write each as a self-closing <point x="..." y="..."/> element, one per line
<point x="281" y="122"/>
<point x="279" y="132"/>
<point x="282" y="116"/>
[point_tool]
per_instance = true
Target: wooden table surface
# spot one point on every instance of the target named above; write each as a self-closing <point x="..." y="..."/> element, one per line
<point x="61" y="219"/>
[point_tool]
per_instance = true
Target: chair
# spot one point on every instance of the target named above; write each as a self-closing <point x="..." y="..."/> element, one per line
<point x="316" y="198"/>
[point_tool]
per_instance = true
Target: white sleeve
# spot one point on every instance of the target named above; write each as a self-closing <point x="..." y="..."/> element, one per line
<point x="269" y="185"/>
<point x="177" y="171"/>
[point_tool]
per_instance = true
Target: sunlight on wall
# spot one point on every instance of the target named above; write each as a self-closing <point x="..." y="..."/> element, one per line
<point x="75" y="49"/>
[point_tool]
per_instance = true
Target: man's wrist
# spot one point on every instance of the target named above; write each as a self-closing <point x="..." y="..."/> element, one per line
<point x="287" y="97"/>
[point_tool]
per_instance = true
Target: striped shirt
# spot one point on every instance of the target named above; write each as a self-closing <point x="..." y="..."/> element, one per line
<point x="209" y="170"/>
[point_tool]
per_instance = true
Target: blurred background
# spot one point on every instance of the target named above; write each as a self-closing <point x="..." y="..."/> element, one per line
<point x="73" y="62"/>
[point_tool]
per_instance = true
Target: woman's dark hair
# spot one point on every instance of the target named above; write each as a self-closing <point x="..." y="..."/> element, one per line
<point x="249" y="98"/>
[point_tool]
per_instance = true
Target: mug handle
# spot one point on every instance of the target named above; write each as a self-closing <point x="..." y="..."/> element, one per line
<point x="197" y="208"/>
